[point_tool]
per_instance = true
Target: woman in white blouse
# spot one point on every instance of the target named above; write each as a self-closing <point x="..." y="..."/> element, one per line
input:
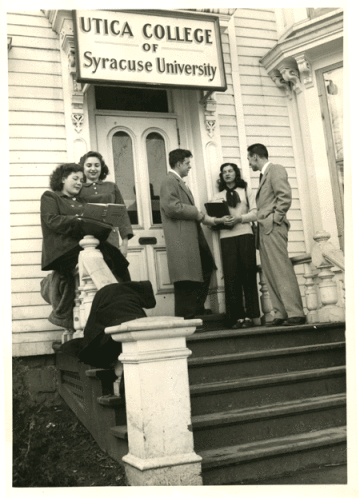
<point x="238" y="249"/>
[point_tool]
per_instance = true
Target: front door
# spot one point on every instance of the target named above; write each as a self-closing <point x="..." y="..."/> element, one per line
<point x="136" y="151"/>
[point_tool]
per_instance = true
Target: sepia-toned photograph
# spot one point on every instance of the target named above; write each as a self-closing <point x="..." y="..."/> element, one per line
<point x="178" y="222"/>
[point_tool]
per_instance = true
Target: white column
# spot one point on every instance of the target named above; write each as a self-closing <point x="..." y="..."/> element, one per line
<point x="161" y="444"/>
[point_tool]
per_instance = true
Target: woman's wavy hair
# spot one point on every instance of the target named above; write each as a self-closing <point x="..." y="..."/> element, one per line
<point x="104" y="169"/>
<point x="63" y="171"/>
<point x="239" y="182"/>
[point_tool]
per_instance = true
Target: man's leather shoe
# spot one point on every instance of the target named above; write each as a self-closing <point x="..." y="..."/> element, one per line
<point x="295" y="320"/>
<point x="276" y="322"/>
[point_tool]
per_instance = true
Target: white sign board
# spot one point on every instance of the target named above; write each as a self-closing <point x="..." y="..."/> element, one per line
<point x="141" y="48"/>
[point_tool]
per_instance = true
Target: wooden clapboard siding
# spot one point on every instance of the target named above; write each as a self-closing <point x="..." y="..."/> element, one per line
<point x="26" y="258"/>
<point x="25" y="206"/>
<point x="226" y="110"/>
<point x="17" y="194"/>
<point x="25" y="245"/>
<point x="265" y="110"/>
<point x="37" y="144"/>
<point x="24" y="232"/>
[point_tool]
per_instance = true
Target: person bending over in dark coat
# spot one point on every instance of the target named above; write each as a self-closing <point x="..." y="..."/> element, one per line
<point x="112" y="305"/>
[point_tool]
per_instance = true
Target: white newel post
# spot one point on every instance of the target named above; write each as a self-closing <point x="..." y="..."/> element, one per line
<point x="265" y="300"/>
<point x="93" y="275"/>
<point x="330" y="311"/>
<point x="311" y="296"/>
<point x="161" y="444"/>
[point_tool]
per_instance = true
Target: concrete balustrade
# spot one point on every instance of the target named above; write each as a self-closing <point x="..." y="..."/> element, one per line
<point x="161" y="445"/>
<point x="328" y="261"/>
<point x="265" y="301"/>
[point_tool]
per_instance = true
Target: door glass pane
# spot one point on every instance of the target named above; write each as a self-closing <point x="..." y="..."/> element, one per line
<point x="156" y="158"/>
<point x="124" y="172"/>
<point x="334" y="94"/>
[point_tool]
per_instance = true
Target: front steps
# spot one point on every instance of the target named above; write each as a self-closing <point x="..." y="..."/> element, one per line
<point x="253" y="462"/>
<point x="88" y="392"/>
<point x="267" y="403"/>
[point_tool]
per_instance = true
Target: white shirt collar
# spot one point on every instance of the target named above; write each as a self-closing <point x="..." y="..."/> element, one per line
<point x="264" y="168"/>
<point x="175" y="173"/>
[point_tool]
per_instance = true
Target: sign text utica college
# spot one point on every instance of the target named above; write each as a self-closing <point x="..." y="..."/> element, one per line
<point x="155" y="48"/>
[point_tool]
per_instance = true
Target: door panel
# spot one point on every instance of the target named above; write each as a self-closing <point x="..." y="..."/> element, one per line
<point x="136" y="151"/>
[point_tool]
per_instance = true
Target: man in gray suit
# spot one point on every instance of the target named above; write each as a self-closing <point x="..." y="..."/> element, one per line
<point x="273" y="200"/>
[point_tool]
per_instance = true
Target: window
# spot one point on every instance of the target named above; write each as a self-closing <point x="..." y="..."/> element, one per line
<point x="312" y="12"/>
<point x="124" y="172"/>
<point x="131" y="99"/>
<point x="156" y="157"/>
<point x="330" y="82"/>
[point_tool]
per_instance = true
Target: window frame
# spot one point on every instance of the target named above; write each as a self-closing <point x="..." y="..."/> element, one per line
<point x="338" y="194"/>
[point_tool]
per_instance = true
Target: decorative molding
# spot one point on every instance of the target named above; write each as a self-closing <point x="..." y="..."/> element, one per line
<point x="305" y="69"/>
<point x="77" y="98"/>
<point x="210" y="105"/>
<point x="78" y="121"/>
<point x="224" y="15"/>
<point x="291" y="75"/>
<point x="279" y="81"/>
<point x="210" y="126"/>
<point x="312" y="37"/>
<point x="304" y="41"/>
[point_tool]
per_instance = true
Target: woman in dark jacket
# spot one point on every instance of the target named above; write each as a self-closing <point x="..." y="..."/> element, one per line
<point x="96" y="190"/>
<point x="62" y="225"/>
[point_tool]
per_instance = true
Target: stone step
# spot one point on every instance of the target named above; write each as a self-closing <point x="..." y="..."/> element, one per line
<point x="120" y="432"/>
<point x="246" y="463"/>
<point x="111" y="401"/>
<point x="245" y="425"/>
<point x="265" y="362"/>
<point x="264" y="390"/>
<point x="210" y="343"/>
<point x="103" y="374"/>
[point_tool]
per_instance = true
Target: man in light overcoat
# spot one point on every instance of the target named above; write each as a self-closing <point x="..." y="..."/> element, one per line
<point x="189" y="257"/>
<point x="273" y="200"/>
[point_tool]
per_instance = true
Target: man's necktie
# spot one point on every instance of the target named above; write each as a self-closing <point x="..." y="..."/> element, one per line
<point x="261" y="175"/>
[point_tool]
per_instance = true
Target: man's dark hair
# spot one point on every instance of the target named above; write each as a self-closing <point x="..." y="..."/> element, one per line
<point x="63" y="171"/>
<point x="104" y="169"/>
<point x="258" y="149"/>
<point x="239" y="182"/>
<point x="178" y="155"/>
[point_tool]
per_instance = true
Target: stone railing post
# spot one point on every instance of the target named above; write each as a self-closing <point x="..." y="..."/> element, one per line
<point x="77" y="317"/>
<point x="323" y="257"/>
<point x="311" y="296"/>
<point x="93" y="275"/>
<point x="161" y="444"/>
<point x="265" y="300"/>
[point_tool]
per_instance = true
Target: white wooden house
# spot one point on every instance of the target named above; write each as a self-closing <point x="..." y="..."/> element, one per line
<point x="283" y="71"/>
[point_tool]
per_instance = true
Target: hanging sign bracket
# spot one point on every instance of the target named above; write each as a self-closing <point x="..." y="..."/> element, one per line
<point x="206" y="96"/>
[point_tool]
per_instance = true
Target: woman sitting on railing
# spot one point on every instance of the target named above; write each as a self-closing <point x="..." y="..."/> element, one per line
<point x="63" y="227"/>
<point x="95" y="190"/>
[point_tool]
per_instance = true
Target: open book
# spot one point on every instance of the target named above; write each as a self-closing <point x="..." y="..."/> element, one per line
<point x="107" y="213"/>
